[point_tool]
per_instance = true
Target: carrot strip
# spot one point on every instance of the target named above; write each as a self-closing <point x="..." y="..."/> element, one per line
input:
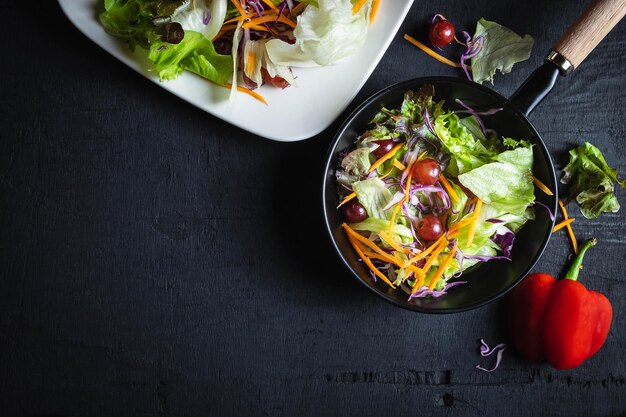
<point x="357" y="6"/>
<point x="398" y="165"/>
<point x="271" y="5"/>
<point x="385" y="258"/>
<point x="384" y="236"/>
<point x="425" y="252"/>
<point x="386" y="156"/>
<point x="374" y="10"/>
<point x="430" y="262"/>
<point x="449" y="188"/>
<point x="245" y="90"/>
<point x="472" y="230"/>
<point x="442" y="267"/>
<point x="570" y="231"/>
<point x="269" y="18"/>
<point x="366" y="242"/>
<point x="298" y="8"/>
<point x="250" y="66"/>
<point x="542" y="186"/>
<point x="369" y="263"/>
<point x="432" y="53"/>
<point x="563" y="224"/>
<point x="237" y="5"/>
<point x="348" y="198"/>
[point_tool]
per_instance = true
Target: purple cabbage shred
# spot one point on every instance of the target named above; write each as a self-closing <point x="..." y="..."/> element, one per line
<point x="485" y="351"/>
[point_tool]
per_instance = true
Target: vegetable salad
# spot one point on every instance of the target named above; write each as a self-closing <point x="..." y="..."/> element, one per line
<point x="427" y="193"/>
<point x="240" y="44"/>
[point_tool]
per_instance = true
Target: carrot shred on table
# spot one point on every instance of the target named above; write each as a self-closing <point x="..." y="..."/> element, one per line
<point x="369" y="263"/>
<point x="542" y="186"/>
<point x="357" y="6"/>
<point x="374" y="10"/>
<point x="247" y="91"/>
<point x="449" y="188"/>
<point x="348" y="198"/>
<point x="562" y="224"/>
<point x="385" y="157"/>
<point x="442" y="267"/>
<point x="432" y="53"/>
<point x="570" y="231"/>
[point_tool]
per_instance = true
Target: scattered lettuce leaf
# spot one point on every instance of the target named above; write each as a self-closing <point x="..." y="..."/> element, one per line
<point x="502" y="48"/>
<point x="590" y="181"/>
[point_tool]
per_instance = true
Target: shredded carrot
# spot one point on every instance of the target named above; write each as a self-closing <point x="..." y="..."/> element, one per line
<point x="374" y="10"/>
<point x="385" y="237"/>
<point x="271" y="5"/>
<point x="237" y="5"/>
<point x="563" y="224"/>
<point x="570" y="231"/>
<point x="425" y="252"/>
<point x="432" y="53"/>
<point x="298" y="8"/>
<point x="442" y="267"/>
<point x="449" y="188"/>
<point x="430" y="261"/>
<point x="398" y="165"/>
<point x="357" y="6"/>
<point x="386" y="258"/>
<point x="386" y="156"/>
<point x="472" y="230"/>
<point x="542" y="186"/>
<point x="394" y="214"/>
<point x="348" y="198"/>
<point x="250" y="66"/>
<point x="365" y="241"/>
<point x="269" y="18"/>
<point x="456" y="226"/>
<point x="245" y="90"/>
<point x="369" y="263"/>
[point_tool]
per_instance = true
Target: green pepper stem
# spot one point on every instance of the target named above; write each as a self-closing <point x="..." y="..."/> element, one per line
<point x="572" y="272"/>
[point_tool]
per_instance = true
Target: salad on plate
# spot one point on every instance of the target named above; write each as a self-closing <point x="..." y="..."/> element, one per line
<point x="426" y="193"/>
<point x="240" y="44"/>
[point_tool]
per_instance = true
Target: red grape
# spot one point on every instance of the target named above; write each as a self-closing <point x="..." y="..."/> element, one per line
<point x="426" y="171"/>
<point x="354" y="211"/>
<point x="430" y="228"/>
<point x="384" y="146"/>
<point x="441" y="33"/>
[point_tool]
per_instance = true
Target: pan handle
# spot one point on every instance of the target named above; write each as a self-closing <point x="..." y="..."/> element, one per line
<point x="569" y="51"/>
<point x="586" y="33"/>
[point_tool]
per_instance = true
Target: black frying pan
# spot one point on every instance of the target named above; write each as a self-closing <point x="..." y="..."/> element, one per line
<point x="492" y="279"/>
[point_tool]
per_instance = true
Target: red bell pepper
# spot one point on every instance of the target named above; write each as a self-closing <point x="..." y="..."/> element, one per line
<point x="558" y="320"/>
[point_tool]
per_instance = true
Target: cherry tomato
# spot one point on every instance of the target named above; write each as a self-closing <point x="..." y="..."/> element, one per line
<point x="430" y="228"/>
<point x="426" y="171"/>
<point x="277" y="81"/>
<point x="441" y="33"/>
<point x="384" y="146"/>
<point x="354" y="211"/>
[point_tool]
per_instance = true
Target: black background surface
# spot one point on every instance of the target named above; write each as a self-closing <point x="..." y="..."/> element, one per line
<point x="157" y="261"/>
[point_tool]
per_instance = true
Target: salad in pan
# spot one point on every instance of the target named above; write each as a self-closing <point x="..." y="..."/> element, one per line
<point x="426" y="193"/>
<point x="240" y="44"/>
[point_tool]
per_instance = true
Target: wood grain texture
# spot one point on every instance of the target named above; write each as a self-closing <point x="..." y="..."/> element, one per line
<point x="589" y="29"/>
<point x="156" y="261"/>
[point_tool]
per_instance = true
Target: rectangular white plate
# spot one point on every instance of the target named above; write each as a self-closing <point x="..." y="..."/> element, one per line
<point x="293" y="114"/>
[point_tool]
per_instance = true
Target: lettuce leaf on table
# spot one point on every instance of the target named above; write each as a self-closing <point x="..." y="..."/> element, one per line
<point x="590" y="181"/>
<point x="502" y="48"/>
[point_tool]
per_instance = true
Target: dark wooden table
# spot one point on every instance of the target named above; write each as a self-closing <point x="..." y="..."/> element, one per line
<point x="157" y="261"/>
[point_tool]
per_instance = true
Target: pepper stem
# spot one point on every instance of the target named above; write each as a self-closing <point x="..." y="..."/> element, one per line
<point x="572" y="272"/>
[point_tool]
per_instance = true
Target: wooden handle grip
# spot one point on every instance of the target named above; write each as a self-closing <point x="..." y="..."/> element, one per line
<point x="590" y="28"/>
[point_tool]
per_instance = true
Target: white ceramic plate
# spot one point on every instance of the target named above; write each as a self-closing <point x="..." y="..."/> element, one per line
<point x="293" y="114"/>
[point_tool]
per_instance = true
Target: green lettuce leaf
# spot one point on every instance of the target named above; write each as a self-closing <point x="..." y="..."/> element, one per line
<point x="324" y="35"/>
<point x="590" y="181"/>
<point x="194" y="53"/>
<point x="502" y="48"/>
<point x="374" y="195"/>
<point x="374" y="225"/>
<point x="506" y="184"/>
